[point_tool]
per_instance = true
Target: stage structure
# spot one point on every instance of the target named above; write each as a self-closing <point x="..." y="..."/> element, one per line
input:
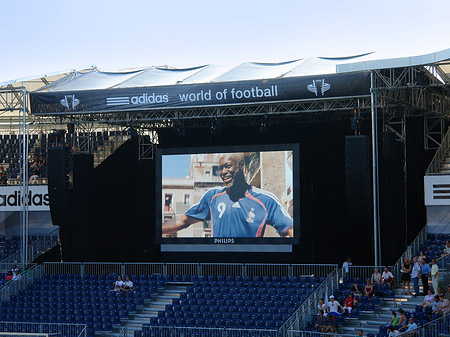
<point x="311" y="90"/>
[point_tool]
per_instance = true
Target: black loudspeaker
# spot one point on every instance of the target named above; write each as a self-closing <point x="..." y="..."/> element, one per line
<point x="71" y="128"/>
<point x="357" y="176"/>
<point x="58" y="192"/>
<point x="76" y="244"/>
<point x="386" y="143"/>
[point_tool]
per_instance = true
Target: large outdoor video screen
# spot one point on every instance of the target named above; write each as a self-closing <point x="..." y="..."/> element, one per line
<point x="228" y="195"/>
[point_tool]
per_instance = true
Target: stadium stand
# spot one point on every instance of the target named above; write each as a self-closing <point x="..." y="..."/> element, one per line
<point x="38" y="145"/>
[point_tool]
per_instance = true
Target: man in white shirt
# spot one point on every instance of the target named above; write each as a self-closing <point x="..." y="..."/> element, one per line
<point x="17" y="275"/>
<point x="447" y="248"/>
<point x="387" y="277"/>
<point x="415" y="275"/>
<point x="128" y="286"/>
<point x="392" y="331"/>
<point x="118" y="285"/>
<point x="434" y="275"/>
<point x="346" y="265"/>
<point x="333" y="306"/>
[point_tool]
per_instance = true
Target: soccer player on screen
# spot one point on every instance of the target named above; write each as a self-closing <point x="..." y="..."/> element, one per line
<point x="238" y="209"/>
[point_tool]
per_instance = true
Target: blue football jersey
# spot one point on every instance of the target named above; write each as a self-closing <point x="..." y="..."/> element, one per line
<point x="245" y="217"/>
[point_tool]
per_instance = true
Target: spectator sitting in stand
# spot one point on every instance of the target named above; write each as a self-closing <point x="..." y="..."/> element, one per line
<point x="17" y="276"/>
<point x="360" y="332"/>
<point x="422" y="257"/>
<point x="411" y="327"/>
<point x="387" y="277"/>
<point x="34" y="174"/>
<point x="321" y="306"/>
<point x="333" y="307"/>
<point x="392" y="331"/>
<point x="435" y="304"/>
<point x="118" y="285"/>
<point x="444" y="305"/>
<point x="8" y="276"/>
<point x="428" y="299"/>
<point x="368" y="289"/>
<point x="376" y="278"/>
<point x="447" y="294"/>
<point x="394" y="319"/>
<point x="3" y="176"/>
<point x="41" y="163"/>
<point x="350" y="303"/>
<point x="355" y="290"/>
<point x="330" y="327"/>
<point x="321" y="322"/>
<point x="402" y="321"/>
<point x="128" y="286"/>
<point x="447" y="248"/>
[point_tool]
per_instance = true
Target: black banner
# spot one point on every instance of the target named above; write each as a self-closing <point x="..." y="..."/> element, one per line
<point x="198" y="95"/>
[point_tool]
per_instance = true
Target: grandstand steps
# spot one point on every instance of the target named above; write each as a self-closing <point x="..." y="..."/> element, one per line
<point x="150" y="309"/>
<point x="370" y="322"/>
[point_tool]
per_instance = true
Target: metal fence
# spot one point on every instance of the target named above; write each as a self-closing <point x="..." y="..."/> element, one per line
<point x="52" y="329"/>
<point x="302" y="333"/>
<point x="362" y="272"/>
<point x="410" y="251"/>
<point x="239" y="269"/>
<point x="439" y="156"/>
<point x="35" y="248"/>
<point x="173" y="331"/>
<point x="304" y="314"/>
<point x="437" y="328"/>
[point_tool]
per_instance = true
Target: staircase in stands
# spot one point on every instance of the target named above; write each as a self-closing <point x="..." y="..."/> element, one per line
<point x="149" y="310"/>
<point x="370" y="322"/>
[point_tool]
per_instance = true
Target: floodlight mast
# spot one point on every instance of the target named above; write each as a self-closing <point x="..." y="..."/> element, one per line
<point x="375" y="178"/>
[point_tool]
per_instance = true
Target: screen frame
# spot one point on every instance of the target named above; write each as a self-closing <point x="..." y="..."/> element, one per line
<point x="160" y="152"/>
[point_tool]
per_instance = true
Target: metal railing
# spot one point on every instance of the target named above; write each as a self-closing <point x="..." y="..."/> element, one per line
<point x="303" y="315"/>
<point x="35" y="248"/>
<point x="439" y="156"/>
<point x="61" y="329"/>
<point x="239" y="269"/>
<point x="435" y="328"/>
<point x="174" y="331"/>
<point x="28" y="277"/>
<point x="362" y="272"/>
<point x="304" y="333"/>
<point x="409" y="252"/>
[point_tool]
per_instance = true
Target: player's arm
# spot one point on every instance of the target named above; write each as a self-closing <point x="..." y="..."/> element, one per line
<point x="183" y="222"/>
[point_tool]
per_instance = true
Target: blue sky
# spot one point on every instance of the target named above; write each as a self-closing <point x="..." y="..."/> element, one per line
<point x="47" y="36"/>
<point x="176" y="166"/>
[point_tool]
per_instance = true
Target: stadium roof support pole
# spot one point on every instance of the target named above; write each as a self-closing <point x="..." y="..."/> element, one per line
<point x="24" y="185"/>
<point x="375" y="190"/>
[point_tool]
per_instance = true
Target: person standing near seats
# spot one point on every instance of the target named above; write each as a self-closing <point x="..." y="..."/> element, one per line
<point x="406" y="275"/>
<point x="424" y="274"/>
<point x="415" y="274"/>
<point x="447" y="248"/>
<point x="346" y="266"/>
<point x="434" y="275"/>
